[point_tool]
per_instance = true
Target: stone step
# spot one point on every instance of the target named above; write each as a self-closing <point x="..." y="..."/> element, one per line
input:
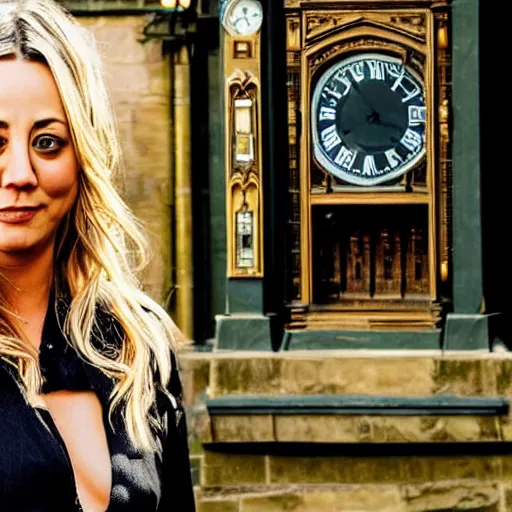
<point x="469" y="496"/>
<point x="360" y="372"/>
<point x="308" y="428"/>
<point x="377" y="377"/>
<point x="355" y="466"/>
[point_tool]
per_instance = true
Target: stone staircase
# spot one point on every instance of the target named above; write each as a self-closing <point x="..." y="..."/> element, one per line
<point x="353" y="431"/>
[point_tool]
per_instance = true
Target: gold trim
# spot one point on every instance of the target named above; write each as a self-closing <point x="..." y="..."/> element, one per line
<point x="369" y="319"/>
<point x="369" y="198"/>
<point x="293" y="32"/>
<point x="348" y="5"/>
<point x="431" y="163"/>
<point x="444" y="160"/>
<point x="243" y="179"/>
<point x="327" y="34"/>
<point x="305" y="215"/>
<point x="320" y="23"/>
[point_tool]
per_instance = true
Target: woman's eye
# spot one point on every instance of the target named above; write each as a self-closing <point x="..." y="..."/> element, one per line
<point x="48" y="144"/>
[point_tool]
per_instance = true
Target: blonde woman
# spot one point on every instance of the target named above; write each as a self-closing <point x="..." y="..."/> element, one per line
<point x="90" y="399"/>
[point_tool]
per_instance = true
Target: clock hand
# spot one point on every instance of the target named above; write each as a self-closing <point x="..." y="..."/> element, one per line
<point x="239" y="20"/>
<point x="373" y="113"/>
<point x="391" y="125"/>
<point x="374" y="118"/>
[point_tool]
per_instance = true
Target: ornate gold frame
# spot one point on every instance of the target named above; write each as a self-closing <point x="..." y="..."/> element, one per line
<point x="322" y="31"/>
<point x="243" y="179"/>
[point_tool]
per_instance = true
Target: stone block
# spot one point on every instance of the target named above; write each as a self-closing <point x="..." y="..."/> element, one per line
<point x="232" y="375"/>
<point x="411" y="376"/>
<point x="220" y="469"/>
<point x="379" y="470"/>
<point x="474" y="496"/>
<point x="375" y="374"/>
<point x="195" y="373"/>
<point x="95" y="22"/>
<point x="386" y="429"/>
<point x="506" y="470"/>
<point x="465" y="467"/>
<point x="199" y="425"/>
<point x="465" y="375"/>
<point x="293" y="373"/>
<point x="159" y="77"/>
<point x="217" y="505"/>
<point x="506" y="427"/>
<point x="317" y="429"/>
<point x="119" y="42"/>
<point x="124" y="112"/>
<point x="195" y="468"/>
<point x="125" y="130"/>
<point x="503" y="373"/>
<point x="507" y="497"/>
<point x="136" y="77"/>
<point x="127" y="78"/>
<point x="461" y="428"/>
<point x="243" y="429"/>
<point x="331" y="499"/>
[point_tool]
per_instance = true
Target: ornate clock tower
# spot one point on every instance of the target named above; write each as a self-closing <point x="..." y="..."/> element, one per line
<point x="376" y="196"/>
<point x="369" y="168"/>
<point x="364" y="201"/>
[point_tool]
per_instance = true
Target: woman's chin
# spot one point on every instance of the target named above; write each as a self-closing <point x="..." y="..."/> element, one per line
<point x="16" y="245"/>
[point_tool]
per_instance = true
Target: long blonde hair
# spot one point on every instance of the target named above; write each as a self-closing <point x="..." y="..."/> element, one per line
<point x="100" y="246"/>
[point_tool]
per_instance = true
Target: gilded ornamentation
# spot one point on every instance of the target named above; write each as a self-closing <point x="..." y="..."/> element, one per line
<point x="443" y="65"/>
<point x="323" y="56"/>
<point x="243" y="85"/>
<point x="321" y="23"/>
<point x="242" y="139"/>
<point x="410" y="24"/>
<point x="414" y="24"/>
<point x="293" y="33"/>
<point x="410" y="258"/>
<point x="443" y="120"/>
<point x="361" y="43"/>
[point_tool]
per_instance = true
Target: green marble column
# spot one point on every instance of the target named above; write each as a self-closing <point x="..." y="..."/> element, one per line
<point x="466" y="328"/>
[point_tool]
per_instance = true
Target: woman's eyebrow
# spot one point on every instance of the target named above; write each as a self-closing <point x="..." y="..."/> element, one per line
<point x="42" y="123"/>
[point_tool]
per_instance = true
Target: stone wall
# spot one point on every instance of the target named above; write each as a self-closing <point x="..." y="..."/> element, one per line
<point x="138" y="78"/>
<point x="350" y="462"/>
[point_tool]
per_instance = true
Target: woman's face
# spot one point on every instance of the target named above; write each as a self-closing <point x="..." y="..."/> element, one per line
<point x="38" y="164"/>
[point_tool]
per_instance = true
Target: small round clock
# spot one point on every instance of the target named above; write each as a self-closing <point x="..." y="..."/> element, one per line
<point x="242" y="17"/>
<point x="368" y="119"/>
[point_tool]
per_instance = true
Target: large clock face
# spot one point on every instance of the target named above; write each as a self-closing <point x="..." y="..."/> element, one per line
<point x="368" y="119"/>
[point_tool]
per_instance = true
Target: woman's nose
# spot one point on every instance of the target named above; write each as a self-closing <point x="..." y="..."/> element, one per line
<point x="16" y="169"/>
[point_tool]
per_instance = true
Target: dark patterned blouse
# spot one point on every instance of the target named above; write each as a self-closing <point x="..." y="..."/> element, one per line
<point x="35" y="469"/>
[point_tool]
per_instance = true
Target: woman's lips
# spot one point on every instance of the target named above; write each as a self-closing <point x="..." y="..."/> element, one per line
<point x="18" y="215"/>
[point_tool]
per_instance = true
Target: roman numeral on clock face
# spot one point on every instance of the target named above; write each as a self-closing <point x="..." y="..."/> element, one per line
<point x="368" y="119"/>
<point x="327" y="113"/>
<point x="330" y="138"/>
